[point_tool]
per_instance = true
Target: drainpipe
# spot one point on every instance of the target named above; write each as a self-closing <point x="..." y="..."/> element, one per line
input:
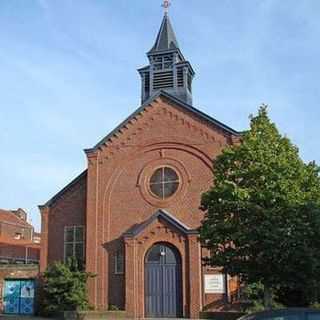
<point x="26" y="255"/>
<point x="226" y="285"/>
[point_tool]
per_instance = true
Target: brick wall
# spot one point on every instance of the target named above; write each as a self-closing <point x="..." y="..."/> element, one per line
<point x="68" y="210"/>
<point x="12" y="230"/>
<point x="118" y="181"/>
<point x="114" y="196"/>
<point x="20" y="253"/>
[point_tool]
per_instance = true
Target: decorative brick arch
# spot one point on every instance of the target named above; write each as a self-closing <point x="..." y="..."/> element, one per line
<point x="103" y="184"/>
<point x="157" y="145"/>
<point x="171" y="275"/>
<point x="162" y="227"/>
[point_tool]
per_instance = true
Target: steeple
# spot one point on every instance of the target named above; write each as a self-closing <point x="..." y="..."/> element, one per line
<point x="166" y="39"/>
<point x="167" y="70"/>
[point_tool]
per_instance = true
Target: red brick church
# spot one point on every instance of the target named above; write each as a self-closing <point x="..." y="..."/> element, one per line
<point x="132" y="216"/>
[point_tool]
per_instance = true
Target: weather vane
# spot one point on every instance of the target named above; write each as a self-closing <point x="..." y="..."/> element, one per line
<point x="166" y="4"/>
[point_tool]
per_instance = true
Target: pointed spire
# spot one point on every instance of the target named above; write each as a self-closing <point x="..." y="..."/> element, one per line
<point x="166" y="39"/>
<point x="168" y="70"/>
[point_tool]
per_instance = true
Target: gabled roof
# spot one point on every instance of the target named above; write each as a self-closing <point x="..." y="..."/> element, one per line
<point x="166" y="39"/>
<point x="182" y="104"/>
<point x="170" y="219"/>
<point x="65" y="189"/>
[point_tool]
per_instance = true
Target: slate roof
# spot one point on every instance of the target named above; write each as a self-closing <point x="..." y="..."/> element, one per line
<point x="65" y="189"/>
<point x="184" y="105"/>
<point x="188" y="107"/>
<point x="165" y="216"/>
<point x="166" y="39"/>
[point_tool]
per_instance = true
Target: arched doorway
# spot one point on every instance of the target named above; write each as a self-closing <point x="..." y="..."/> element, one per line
<point x="163" y="282"/>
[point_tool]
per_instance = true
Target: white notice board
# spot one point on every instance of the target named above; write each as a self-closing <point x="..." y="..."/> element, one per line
<point x="214" y="283"/>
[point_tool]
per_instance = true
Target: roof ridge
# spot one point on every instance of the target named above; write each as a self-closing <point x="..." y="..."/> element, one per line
<point x="161" y="213"/>
<point x="147" y="103"/>
<point x="63" y="190"/>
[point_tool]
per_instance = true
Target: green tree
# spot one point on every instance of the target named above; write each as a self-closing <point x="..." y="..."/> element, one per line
<point x="262" y="212"/>
<point x="64" y="288"/>
<point x="254" y="298"/>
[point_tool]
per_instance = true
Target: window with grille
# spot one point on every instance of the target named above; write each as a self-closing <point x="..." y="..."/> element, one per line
<point x="164" y="182"/>
<point x="162" y="62"/>
<point x="119" y="263"/>
<point x="74" y="243"/>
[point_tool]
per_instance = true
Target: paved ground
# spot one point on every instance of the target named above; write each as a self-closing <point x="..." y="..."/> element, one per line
<point x="6" y="317"/>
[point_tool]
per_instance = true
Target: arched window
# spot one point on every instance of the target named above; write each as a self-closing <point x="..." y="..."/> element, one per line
<point x="163" y="253"/>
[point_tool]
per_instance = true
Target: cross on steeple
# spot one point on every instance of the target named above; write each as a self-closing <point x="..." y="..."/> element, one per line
<point x="166" y="4"/>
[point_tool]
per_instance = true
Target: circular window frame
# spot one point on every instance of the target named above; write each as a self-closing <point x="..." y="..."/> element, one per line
<point x="149" y="169"/>
<point x="179" y="180"/>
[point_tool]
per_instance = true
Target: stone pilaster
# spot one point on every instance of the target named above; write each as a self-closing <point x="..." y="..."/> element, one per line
<point x="92" y="224"/>
<point x="131" y="278"/>
<point x="195" y="293"/>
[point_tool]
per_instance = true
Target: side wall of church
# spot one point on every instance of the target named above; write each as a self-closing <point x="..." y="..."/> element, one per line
<point x="68" y="210"/>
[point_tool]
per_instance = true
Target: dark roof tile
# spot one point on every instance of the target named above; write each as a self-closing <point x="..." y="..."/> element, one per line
<point x="166" y="39"/>
<point x="175" y="100"/>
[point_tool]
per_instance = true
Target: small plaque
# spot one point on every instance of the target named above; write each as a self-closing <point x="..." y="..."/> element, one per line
<point x="214" y="283"/>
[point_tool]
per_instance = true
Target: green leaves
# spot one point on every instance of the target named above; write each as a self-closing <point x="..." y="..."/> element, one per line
<point x="64" y="288"/>
<point x="262" y="212"/>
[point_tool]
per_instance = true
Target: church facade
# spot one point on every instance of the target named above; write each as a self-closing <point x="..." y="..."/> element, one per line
<point x="132" y="216"/>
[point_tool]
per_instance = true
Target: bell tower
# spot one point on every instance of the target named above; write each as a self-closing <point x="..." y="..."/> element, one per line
<point x="168" y="70"/>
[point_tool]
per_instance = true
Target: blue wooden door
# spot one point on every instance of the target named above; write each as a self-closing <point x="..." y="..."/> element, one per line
<point x="27" y="297"/>
<point x="19" y="297"/>
<point x="11" y="296"/>
<point x="163" y="285"/>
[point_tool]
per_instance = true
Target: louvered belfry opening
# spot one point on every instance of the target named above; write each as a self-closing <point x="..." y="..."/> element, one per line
<point x="163" y="80"/>
<point x="147" y="84"/>
<point x="162" y="71"/>
<point x="180" y="77"/>
<point x="168" y="70"/>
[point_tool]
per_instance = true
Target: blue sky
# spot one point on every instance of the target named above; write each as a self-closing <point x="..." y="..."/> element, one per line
<point x="68" y="76"/>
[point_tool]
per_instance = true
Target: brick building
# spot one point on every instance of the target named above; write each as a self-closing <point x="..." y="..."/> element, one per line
<point x="132" y="216"/>
<point x="19" y="262"/>
<point x="18" y="242"/>
<point x="13" y="224"/>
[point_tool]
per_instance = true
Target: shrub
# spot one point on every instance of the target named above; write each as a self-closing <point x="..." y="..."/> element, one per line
<point x="254" y="294"/>
<point x="64" y="288"/>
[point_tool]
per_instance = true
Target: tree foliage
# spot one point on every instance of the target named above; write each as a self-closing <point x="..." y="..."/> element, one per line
<point x="262" y="214"/>
<point x="64" y="288"/>
<point x="254" y="298"/>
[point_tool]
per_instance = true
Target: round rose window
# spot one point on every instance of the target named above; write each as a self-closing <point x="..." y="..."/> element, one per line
<point x="164" y="182"/>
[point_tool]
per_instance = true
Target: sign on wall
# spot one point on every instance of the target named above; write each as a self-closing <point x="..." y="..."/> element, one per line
<point x="214" y="283"/>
